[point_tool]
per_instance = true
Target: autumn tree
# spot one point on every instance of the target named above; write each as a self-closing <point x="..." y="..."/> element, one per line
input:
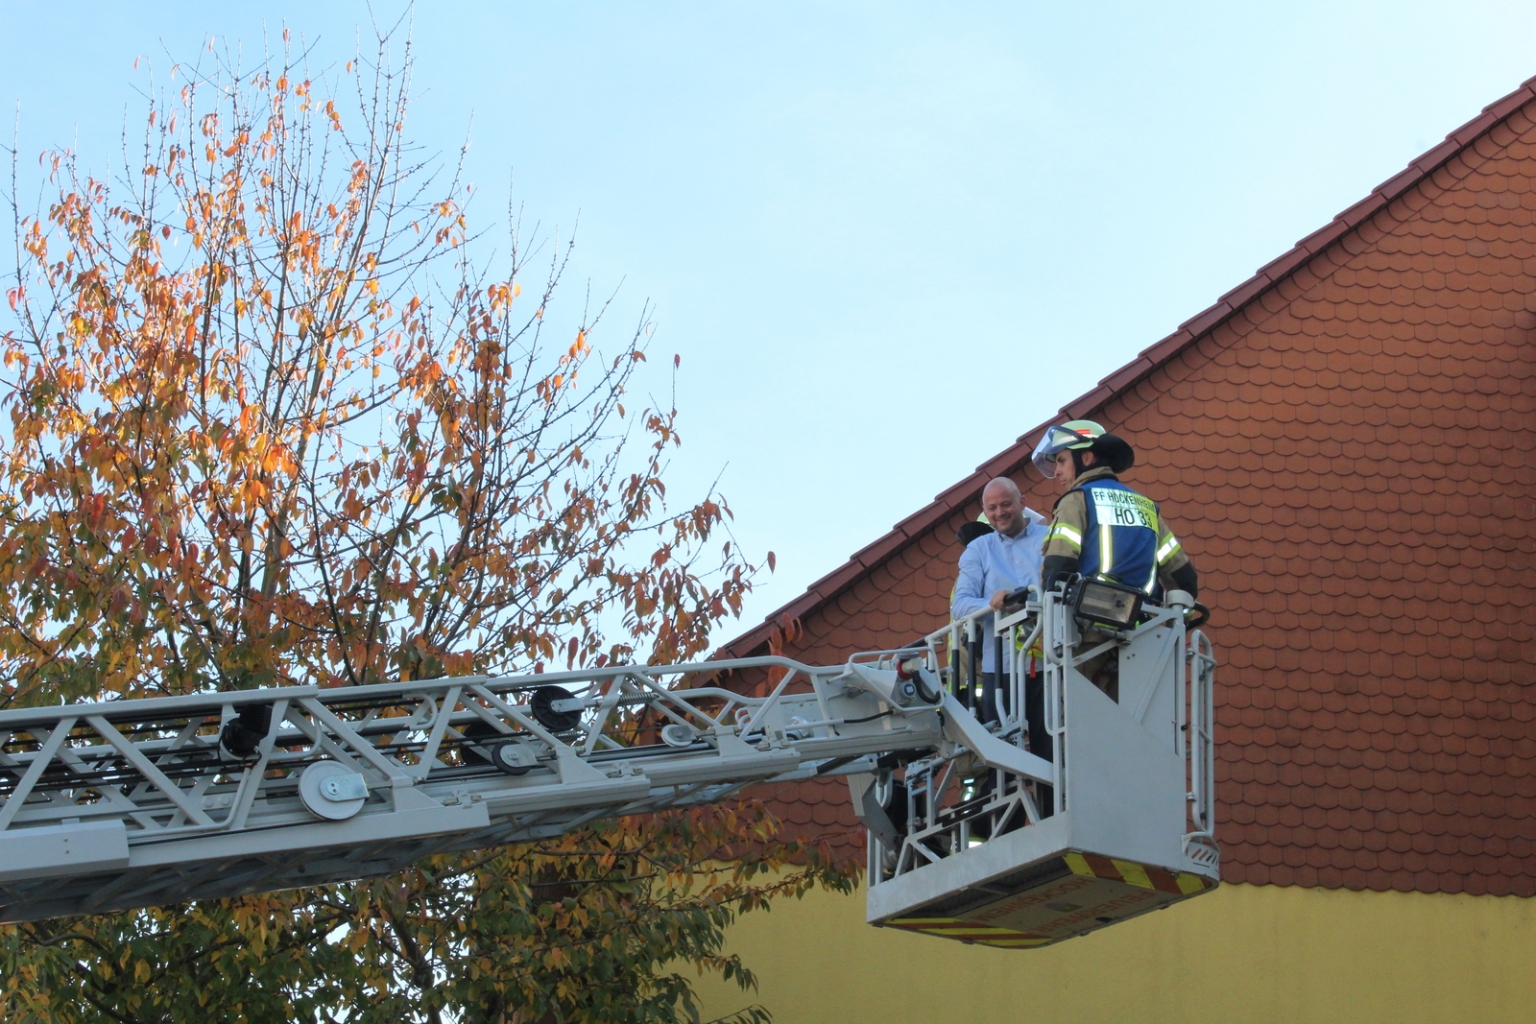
<point x="274" y="418"/>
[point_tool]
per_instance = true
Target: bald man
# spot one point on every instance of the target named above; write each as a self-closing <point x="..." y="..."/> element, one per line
<point x="997" y="564"/>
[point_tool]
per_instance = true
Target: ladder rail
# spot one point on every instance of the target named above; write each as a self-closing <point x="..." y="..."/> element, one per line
<point x="132" y="802"/>
<point x="1200" y="675"/>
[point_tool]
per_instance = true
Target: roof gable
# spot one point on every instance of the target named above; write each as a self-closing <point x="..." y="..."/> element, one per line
<point x="1239" y="300"/>
<point x="1345" y="450"/>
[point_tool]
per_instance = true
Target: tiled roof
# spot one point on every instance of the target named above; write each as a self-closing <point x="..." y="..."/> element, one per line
<point x="1344" y="444"/>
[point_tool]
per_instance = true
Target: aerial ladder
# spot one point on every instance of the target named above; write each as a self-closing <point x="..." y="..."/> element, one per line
<point x="132" y="803"/>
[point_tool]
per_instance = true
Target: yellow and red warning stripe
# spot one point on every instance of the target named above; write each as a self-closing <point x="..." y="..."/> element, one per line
<point x="965" y="931"/>
<point x="1089" y="896"/>
<point x="1144" y="876"/>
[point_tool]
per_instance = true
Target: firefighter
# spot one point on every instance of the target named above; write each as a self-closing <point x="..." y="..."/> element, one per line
<point x="1103" y="529"/>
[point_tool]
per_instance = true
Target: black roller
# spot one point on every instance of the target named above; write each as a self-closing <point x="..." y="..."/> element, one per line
<point x="547" y="716"/>
<point x="513" y="757"/>
<point x="244" y="733"/>
<point x="480" y="736"/>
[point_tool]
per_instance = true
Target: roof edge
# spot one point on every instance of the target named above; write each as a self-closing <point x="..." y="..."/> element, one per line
<point x="1148" y="361"/>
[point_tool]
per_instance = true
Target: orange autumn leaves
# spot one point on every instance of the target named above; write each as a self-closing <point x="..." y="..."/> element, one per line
<point x="268" y="420"/>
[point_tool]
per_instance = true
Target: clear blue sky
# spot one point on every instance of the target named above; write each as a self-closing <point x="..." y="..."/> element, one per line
<point x="885" y="238"/>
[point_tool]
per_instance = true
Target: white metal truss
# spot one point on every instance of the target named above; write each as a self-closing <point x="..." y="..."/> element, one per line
<point x="134" y="803"/>
<point x="139" y="802"/>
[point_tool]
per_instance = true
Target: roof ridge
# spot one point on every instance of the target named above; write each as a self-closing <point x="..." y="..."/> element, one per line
<point x="1283" y="266"/>
<point x="1151" y="358"/>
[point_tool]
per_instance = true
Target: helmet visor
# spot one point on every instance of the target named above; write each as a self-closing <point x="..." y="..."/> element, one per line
<point x="1056" y="440"/>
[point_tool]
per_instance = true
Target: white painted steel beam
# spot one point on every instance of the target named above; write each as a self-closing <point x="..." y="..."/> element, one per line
<point x="137" y="802"/>
<point x="134" y="803"/>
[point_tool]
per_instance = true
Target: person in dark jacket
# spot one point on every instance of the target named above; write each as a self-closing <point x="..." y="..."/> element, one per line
<point x="1102" y="529"/>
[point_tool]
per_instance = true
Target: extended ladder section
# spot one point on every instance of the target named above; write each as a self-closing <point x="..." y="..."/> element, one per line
<point x="134" y="803"/>
<point x="1116" y="818"/>
<point x="141" y="802"/>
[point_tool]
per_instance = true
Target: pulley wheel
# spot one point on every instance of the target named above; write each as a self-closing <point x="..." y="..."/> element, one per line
<point x="514" y="757"/>
<point x="331" y="790"/>
<point x="675" y="734"/>
<point x="552" y="708"/>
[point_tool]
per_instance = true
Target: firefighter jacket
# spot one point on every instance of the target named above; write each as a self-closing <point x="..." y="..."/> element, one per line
<point x="1114" y="533"/>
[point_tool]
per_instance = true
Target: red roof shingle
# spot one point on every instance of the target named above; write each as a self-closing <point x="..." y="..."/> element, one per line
<point x="1344" y="444"/>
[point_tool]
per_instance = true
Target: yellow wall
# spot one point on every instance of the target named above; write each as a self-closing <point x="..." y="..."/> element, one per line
<point x="1241" y="953"/>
